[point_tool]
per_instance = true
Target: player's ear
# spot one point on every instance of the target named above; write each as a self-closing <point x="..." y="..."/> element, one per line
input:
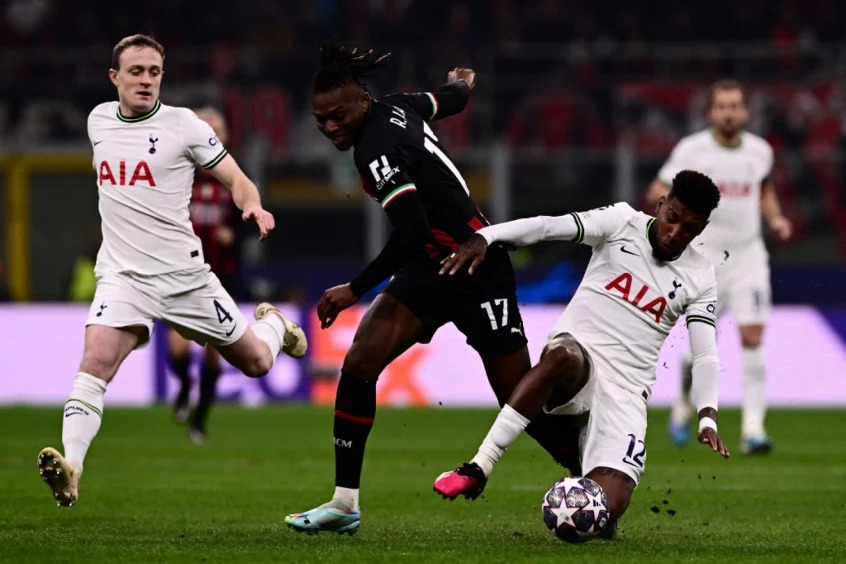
<point x="113" y="76"/>
<point x="364" y="101"/>
<point x="659" y="204"/>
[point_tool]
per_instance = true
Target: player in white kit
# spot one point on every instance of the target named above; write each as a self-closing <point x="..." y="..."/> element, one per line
<point x="150" y="265"/>
<point x="740" y="163"/>
<point x="601" y="355"/>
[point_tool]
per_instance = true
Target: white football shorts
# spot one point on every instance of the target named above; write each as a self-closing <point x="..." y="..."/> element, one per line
<point x="193" y="302"/>
<point x="743" y="287"/>
<point x="615" y="434"/>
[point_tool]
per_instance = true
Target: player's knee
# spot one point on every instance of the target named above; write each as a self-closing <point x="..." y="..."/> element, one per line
<point x="564" y="360"/>
<point x="751" y="336"/>
<point x="618" y="488"/>
<point x="750" y="341"/>
<point x="99" y="363"/>
<point x="362" y="365"/>
<point x="259" y="367"/>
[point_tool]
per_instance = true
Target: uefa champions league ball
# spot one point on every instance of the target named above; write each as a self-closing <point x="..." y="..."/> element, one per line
<point x="575" y="509"/>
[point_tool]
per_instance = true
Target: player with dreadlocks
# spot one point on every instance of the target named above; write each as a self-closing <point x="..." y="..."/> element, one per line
<point x="406" y="170"/>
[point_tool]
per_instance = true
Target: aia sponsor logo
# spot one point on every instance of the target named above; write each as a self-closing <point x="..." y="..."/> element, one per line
<point x="653" y="306"/>
<point x="116" y="174"/>
<point x="731" y="189"/>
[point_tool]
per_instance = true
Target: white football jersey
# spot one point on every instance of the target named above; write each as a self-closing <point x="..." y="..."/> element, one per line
<point x="735" y="225"/>
<point x="628" y="300"/>
<point x="145" y="170"/>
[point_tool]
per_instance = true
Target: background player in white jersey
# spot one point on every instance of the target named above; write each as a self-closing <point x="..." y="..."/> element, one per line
<point x="150" y="265"/>
<point x="601" y="354"/>
<point x="741" y="165"/>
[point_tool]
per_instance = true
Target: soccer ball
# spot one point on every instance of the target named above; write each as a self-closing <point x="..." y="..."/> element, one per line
<point x="575" y="509"/>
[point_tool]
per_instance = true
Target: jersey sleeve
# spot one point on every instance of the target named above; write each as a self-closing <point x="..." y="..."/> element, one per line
<point x="704" y="390"/>
<point x="675" y="163"/>
<point x="201" y="142"/>
<point x="703" y="308"/>
<point x="384" y="171"/>
<point x="593" y="227"/>
<point x="446" y="101"/>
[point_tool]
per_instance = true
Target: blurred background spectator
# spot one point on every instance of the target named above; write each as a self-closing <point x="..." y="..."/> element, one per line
<point x="578" y="104"/>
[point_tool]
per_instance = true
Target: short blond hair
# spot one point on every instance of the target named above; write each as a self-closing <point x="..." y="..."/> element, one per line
<point x="137" y="40"/>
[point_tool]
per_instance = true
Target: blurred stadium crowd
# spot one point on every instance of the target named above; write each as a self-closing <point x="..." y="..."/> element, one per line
<point x="572" y="89"/>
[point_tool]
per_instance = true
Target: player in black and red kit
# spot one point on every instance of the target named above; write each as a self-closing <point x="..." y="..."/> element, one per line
<point x="213" y="215"/>
<point x="406" y="170"/>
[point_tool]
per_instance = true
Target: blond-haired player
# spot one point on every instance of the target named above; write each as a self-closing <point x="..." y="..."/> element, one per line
<point x="150" y="265"/>
<point x="741" y="165"/>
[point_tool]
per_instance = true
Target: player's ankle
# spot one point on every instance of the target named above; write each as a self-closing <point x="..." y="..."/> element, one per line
<point x="484" y="462"/>
<point x="347" y="496"/>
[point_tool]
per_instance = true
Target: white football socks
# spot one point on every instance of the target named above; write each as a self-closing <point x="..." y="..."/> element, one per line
<point x="508" y="426"/>
<point x="271" y="330"/>
<point x="754" y="393"/>
<point x="83" y="415"/>
<point x="347" y="496"/>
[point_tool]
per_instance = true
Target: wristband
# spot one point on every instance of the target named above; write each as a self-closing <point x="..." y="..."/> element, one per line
<point x="707" y="423"/>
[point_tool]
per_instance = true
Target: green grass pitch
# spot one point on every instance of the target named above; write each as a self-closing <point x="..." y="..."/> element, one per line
<point x="149" y="495"/>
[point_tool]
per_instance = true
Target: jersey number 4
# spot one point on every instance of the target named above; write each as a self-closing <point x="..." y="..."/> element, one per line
<point x="222" y="314"/>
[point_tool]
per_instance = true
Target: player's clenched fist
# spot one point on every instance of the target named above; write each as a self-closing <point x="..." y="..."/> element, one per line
<point x="263" y="218"/>
<point x="334" y="301"/>
<point x="467" y="75"/>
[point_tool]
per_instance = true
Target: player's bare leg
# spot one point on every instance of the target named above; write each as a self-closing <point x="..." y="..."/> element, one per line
<point x="618" y="487"/>
<point x="105" y="350"/>
<point x="256" y="351"/>
<point x="555" y="434"/>
<point x="754" y="436"/>
<point x="179" y="356"/>
<point x="387" y="330"/>
<point x="560" y="374"/>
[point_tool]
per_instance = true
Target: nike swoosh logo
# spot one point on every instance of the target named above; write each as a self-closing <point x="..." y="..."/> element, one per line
<point x="72" y="413"/>
<point x="623" y="248"/>
<point x="97" y="142"/>
<point x="230" y="331"/>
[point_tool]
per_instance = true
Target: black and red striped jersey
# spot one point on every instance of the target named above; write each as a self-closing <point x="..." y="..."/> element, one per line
<point x="399" y="153"/>
<point x="212" y="208"/>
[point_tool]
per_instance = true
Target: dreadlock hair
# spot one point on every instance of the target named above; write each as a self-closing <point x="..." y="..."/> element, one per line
<point x="696" y="191"/>
<point x="343" y="64"/>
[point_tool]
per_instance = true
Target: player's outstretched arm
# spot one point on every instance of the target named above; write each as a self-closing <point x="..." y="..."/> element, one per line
<point x="244" y="194"/>
<point x="705" y="385"/>
<point x="520" y="232"/>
